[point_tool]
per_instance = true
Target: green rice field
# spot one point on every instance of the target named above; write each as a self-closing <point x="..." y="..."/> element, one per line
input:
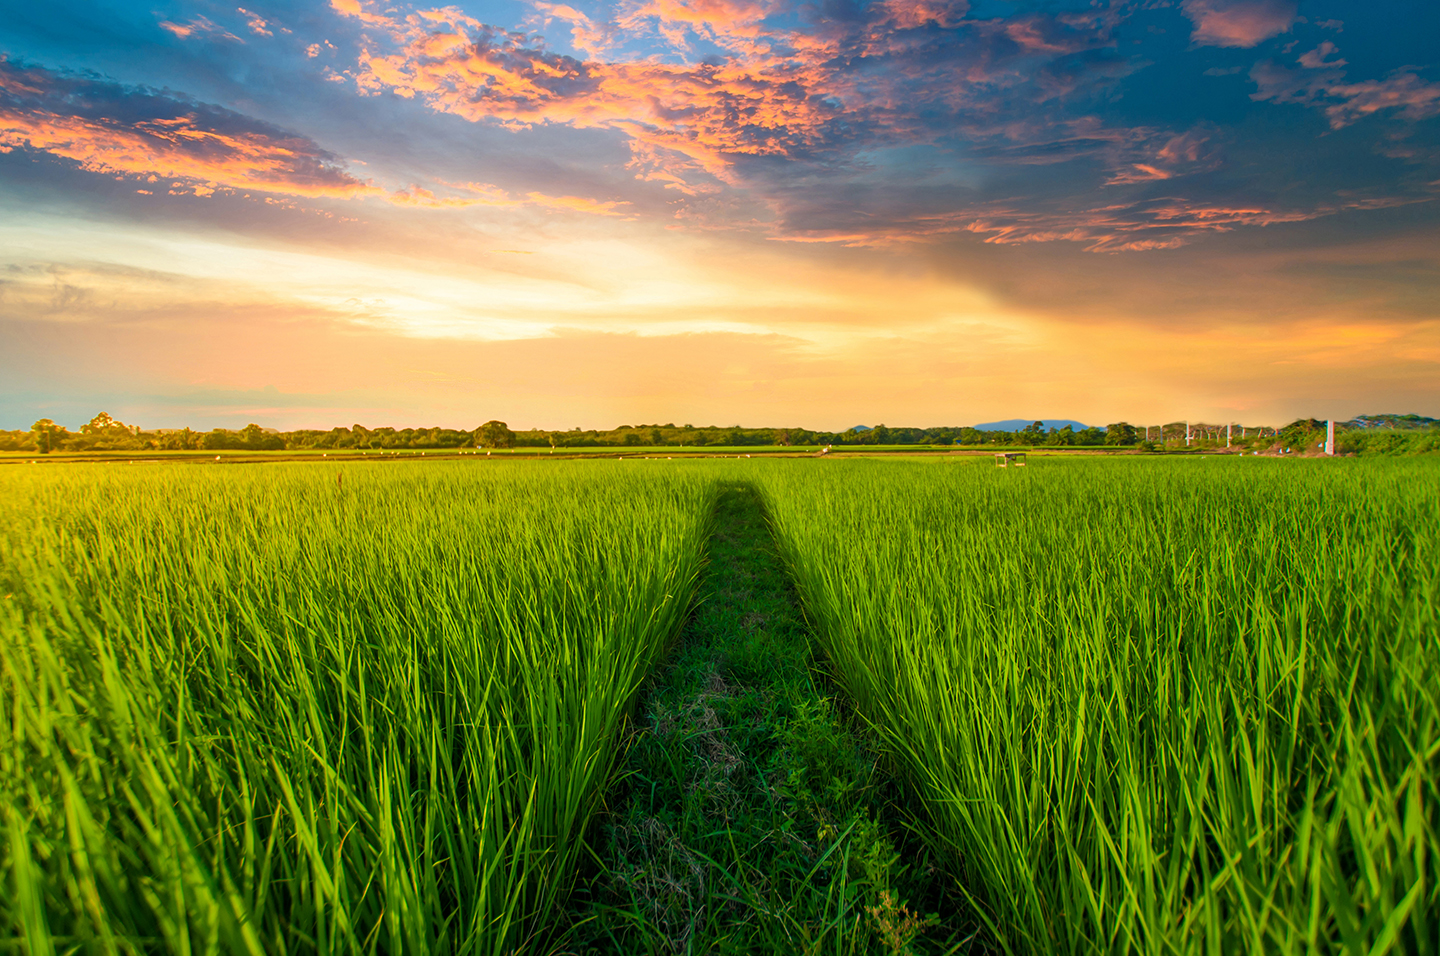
<point x="1160" y="706"/>
<point x="291" y="709"/>
<point x="1136" y="705"/>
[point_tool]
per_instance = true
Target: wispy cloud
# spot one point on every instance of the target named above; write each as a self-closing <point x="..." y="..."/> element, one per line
<point x="199" y="26"/>
<point x="485" y="194"/>
<point x="1402" y="93"/>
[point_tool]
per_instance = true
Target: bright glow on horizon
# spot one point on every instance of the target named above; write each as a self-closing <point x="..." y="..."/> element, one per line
<point x="706" y="213"/>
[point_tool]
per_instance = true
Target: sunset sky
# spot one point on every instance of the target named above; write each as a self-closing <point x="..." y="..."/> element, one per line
<point x="755" y="212"/>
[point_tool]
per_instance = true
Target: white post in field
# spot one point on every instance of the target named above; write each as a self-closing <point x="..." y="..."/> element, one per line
<point x="1187" y="434"/>
<point x="1330" y="437"/>
<point x="1227" y="435"/>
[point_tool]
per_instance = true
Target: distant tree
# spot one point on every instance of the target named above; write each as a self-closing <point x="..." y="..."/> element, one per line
<point x="1120" y="433"/>
<point x="1302" y="433"/>
<point x="102" y="424"/>
<point x="1061" y="436"/>
<point x="880" y="435"/>
<point x="180" y="440"/>
<point x="656" y="437"/>
<point x="47" y="436"/>
<point x="630" y="438"/>
<point x="255" y="438"/>
<point x="105" y="432"/>
<point x="494" y="434"/>
<point x="556" y="439"/>
<point x="219" y="438"/>
<point x="1034" y="433"/>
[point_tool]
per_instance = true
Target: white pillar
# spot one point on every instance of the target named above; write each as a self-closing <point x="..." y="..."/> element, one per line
<point x="1187" y="434"/>
<point x="1227" y="435"/>
<point x="1330" y="437"/>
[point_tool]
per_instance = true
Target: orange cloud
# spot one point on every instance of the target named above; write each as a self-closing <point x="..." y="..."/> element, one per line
<point x="484" y="194"/>
<point x="577" y="204"/>
<point x="354" y="8"/>
<point x="585" y="34"/>
<point x="1179" y="155"/>
<point x="257" y="24"/>
<point x="205" y="147"/>
<point x="682" y="120"/>
<point x="178" y="149"/>
<point x="199" y="25"/>
<point x="783" y="92"/>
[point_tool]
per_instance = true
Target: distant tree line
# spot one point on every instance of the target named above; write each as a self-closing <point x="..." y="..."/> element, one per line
<point x="695" y="436"/>
<point x="1395" y="435"/>
<point x="104" y="433"/>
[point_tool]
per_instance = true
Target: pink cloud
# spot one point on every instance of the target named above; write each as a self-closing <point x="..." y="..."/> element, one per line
<point x="1345" y="103"/>
<point x="1315" y="59"/>
<point x="1140" y="226"/>
<point x="913" y="14"/>
<point x="1238" y="23"/>
<point x="1179" y="154"/>
<point x="1406" y="93"/>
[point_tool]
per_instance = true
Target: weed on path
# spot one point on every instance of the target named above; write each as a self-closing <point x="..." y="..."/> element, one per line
<point x="751" y="818"/>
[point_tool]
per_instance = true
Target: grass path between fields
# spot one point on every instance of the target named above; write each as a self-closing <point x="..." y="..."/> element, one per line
<point x="751" y="815"/>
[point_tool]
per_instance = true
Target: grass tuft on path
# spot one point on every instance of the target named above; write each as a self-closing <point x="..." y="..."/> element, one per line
<point x="751" y="816"/>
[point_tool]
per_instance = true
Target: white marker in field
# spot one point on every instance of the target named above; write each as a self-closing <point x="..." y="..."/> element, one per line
<point x="1330" y="437"/>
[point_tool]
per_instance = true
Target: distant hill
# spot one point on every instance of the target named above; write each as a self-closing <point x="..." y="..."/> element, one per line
<point x="1020" y="424"/>
<point x="1391" y="421"/>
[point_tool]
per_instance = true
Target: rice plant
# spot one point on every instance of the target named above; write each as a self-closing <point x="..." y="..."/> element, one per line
<point x="1155" y="706"/>
<point x="309" y="709"/>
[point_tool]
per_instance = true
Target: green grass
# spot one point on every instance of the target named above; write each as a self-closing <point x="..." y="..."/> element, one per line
<point x="295" y="709"/>
<point x="751" y="816"/>
<point x="1155" y="705"/>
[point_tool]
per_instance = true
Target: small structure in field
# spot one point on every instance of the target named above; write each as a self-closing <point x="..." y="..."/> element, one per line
<point x="1004" y="459"/>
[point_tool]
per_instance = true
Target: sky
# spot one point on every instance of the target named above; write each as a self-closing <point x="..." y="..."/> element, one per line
<point x="729" y="212"/>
